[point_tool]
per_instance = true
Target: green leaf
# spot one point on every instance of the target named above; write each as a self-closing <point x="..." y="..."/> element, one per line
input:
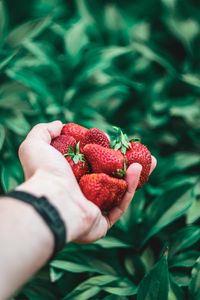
<point x="90" y="287"/>
<point x="10" y="175"/>
<point x="111" y="284"/>
<point x="101" y="280"/>
<point x="178" y="162"/>
<point x="3" y="18"/>
<point x="191" y="79"/>
<point x="76" y="38"/>
<point x="193" y="212"/>
<point x="80" y="263"/>
<point x="194" y="286"/>
<point x="2" y="136"/>
<point x="114" y="297"/>
<point x="18" y="124"/>
<point x="123" y="287"/>
<point x="10" y="101"/>
<point x="186" y="259"/>
<point x="185" y="30"/>
<point x="155" y="285"/>
<point x="167" y="208"/>
<point x="135" y="214"/>
<point x="55" y="274"/>
<point x="35" y="49"/>
<point x="83" y="295"/>
<point x="71" y="266"/>
<point x="148" y="258"/>
<point x="183" y="239"/>
<point x="150" y="54"/>
<point x="30" y="80"/>
<point x="187" y="112"/>
<point x="175" y="292"/>
<point x="42" y="56"/>
<point x="28" y="30"/>
<point x="111" y="242"/>
<point x="38" y="293"/>
<point x="181" y="279"/>
<point x="4" y="63"/>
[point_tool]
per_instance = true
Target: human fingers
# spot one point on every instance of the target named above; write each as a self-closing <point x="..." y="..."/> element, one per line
<point x="153" y="164"/>
<point x="45" y="131"/>
<point x="132" y="178"/>
<point x="35" y="151"/>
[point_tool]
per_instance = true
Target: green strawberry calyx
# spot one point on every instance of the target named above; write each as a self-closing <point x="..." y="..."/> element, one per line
<point x="75" y="154"/>
<point x="120" y="140"/>
<point x="120" y="173"/>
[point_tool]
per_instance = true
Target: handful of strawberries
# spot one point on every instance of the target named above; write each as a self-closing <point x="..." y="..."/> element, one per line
<point x="100" y="165"/>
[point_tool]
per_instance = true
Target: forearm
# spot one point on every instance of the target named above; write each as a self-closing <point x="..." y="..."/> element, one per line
<point x="26" y="243"/>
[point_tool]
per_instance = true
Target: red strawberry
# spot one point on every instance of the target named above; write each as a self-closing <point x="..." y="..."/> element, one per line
<point x="105" y="160"/>
<point x="77" y="162"/>
<point x="138" y="153"/>
<point x="95" y="136"/>
<point x="75" y="130"/>
<point x="104" y="191"/>
<point x="134" y="152"/>
<point x="63" y="142"/>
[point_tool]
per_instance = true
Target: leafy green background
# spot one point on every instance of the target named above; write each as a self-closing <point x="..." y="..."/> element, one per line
<point x="135" y="64"/>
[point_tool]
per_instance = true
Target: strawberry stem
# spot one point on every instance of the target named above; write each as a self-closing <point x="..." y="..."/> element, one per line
<point x="75" y="154"/>
<point x="120" y="140"/>
<point x="120" y="173"/>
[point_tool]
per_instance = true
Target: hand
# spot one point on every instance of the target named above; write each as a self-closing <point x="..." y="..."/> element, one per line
<point x="50" y="175"/>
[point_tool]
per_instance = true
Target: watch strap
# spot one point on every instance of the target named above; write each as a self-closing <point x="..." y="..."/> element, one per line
<point x="49" y="214"/>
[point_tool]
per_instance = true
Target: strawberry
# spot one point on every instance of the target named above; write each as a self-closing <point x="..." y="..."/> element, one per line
<point x="134" y="152"/>
<point x="63" y="142"/>
<point x="95" y="136"/>
<point x="75" y="130"/>
<point x="77" y="162"/>
<point x="105" y="160"/>
<point x="138" y="153"/>
<point x="104" y="191"/>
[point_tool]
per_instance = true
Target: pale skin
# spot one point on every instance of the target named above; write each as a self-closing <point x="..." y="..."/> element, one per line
<point x="26" y="243"/>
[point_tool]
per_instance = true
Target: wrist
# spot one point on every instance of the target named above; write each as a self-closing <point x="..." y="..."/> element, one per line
<point x="29" y="225"/>
<point x="56" y="190"/>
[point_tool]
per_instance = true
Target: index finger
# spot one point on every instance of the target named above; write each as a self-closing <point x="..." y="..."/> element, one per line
<point x="45" y="131"/>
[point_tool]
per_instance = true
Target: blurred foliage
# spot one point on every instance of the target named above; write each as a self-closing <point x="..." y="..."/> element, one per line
<point x="135" y="64"/>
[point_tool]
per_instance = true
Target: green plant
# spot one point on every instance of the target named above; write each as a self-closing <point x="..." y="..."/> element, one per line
<point x="134" y="64"/>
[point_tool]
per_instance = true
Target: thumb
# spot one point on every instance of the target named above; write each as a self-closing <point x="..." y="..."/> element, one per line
<point x="132" y="177"/>
<point x="45" y="131"/>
